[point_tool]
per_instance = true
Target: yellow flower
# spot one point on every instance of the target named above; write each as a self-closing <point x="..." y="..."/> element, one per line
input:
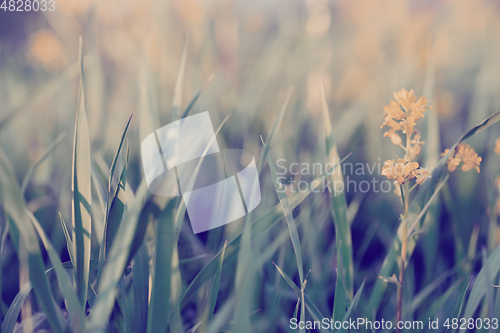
<point x="416" y="146"/>
<point x="497" y="147"/>
<point x="395" y="138"/>
<point x="403" y="113"/>
<point x="400" y="170"/>
<point x="393" y="110"/>
<point x="465" y="154"/>
<point x="405" y="99"/>
<point x="422" y="174"/>
<point x="453" y="161"/>
<point x="469" y="158"/>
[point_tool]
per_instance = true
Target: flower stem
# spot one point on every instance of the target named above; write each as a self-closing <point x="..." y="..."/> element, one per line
<point x="405" y="193"/>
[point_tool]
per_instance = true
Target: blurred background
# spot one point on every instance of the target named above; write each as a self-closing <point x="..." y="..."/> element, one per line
<point x="363" y="51"/>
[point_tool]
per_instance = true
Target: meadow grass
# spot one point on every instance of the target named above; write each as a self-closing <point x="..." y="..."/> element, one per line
<point x="112" y="257"/>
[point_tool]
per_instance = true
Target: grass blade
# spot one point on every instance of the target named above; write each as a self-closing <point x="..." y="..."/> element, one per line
<point x="195" y="98"/>
<point x="9" y="322"/>
<point x="175" y="280"/>
<point x="292" y="227"/>
<point x="113" y="213"/>
<point x="339" y="301"/>
<point x="117" y="259"/>
<point x="295" y="315"/>
<point x="116" y="208"/>
<point x="140" y="285"/>
<point x="461" y="300"/>
<point x="23" y="234"/>
<point x="313" y="310"/>
<point x="69" y="242"/>
<point x="176" y="103"/>
<point x="75" y="311"/>
<point x="481" y="284"/>
<point x="273" y="132"/>
<point x="160" y="292"/>
<point x="82" y="200"/>
<point x="354" y="304"/>
<point x="212" y="297"/>
<point x="338" y="206"/>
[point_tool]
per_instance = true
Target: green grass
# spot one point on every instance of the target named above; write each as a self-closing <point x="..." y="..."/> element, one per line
<point x="102" y="254"/>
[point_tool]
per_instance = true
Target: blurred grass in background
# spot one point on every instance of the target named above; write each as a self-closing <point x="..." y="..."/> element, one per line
<point x="363" y="51"/>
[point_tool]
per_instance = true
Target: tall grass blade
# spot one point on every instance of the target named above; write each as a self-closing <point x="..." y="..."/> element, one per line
<point x="212" y="296"/>
<point x="140" y="285"/>
<point x="482" y="283"/>
<point x="160" y="294"/>
<point x="338" y="205"/>
<point x="195" y="98"/>
<point x="273" y="132"/>
<point x="292" y="227"/>
<point x="339" y="301"/>
<point x="176" y="283"/>
<point x="114" y="209"/>
<point x="353" y="305"/>
<point x="81" y="199"/>
<point x="115" y="264"/>
<point x="457" y="311"/>
<point x="67" y="237"/>
<point x="176" y="103"/>
<point x="22" y="233"/>
<point x="295" y="312"/>
<point x="10" y="319"/>
<point x="75" y="311"/>
<point x="311" y="307"/>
